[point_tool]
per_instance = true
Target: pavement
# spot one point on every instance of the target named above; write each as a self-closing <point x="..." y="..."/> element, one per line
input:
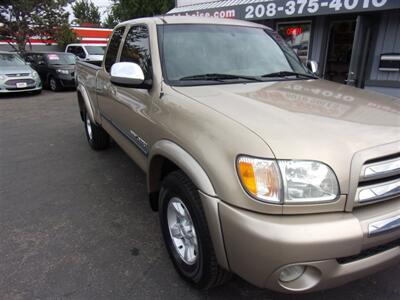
<point x="76" y="224"/>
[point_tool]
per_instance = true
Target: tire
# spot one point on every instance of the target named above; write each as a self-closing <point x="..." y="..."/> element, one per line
<point x="97" y="137"/>
<point x="184" y="226"/>
<point x="54" y="84"/>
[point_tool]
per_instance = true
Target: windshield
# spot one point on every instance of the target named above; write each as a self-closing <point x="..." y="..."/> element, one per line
<point x="196" y="50"/>
<point x="10" y="60"/>
<point x="60" y="59"/>
<point x="95" y="50"/>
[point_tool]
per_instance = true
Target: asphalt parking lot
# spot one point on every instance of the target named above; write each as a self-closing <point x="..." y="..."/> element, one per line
<point x="75" y="224"/>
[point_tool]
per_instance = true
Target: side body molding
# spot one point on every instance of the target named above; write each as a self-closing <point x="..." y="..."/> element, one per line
<point x="81" y="89"/>
<point x="181" y="158"/>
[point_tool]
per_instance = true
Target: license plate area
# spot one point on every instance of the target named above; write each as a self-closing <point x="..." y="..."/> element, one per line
<point x="21" y="85"/>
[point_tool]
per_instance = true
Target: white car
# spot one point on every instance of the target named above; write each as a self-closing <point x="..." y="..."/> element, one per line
<point x="87" y="52"/>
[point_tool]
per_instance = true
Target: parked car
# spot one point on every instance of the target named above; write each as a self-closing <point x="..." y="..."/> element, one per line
<point x="56" y="69"/>
<point x="17" y="76"/>
<point x="92" y="53"/>
<point x="255" y="165"/>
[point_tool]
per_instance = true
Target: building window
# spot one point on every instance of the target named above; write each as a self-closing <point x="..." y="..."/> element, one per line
<point x="297" y="36"/>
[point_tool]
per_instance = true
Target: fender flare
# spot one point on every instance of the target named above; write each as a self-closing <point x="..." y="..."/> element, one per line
<point x="82" y="91"/>
<point x="180" y="157"/>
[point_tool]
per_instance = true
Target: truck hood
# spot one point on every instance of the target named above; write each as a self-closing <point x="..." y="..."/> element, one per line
<point x="15" y="69"/>
<point x="306" y="119"/>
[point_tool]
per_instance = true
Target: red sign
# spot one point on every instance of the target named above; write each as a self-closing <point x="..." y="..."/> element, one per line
<point x="294" y="31"/>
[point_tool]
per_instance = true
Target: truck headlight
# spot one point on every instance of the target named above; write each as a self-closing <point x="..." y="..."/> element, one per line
<point x="287" y="181"/>
<point x="308" y="181"/>
<point x="61" y="71"/>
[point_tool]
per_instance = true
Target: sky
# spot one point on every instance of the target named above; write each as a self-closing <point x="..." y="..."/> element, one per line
<point x="103" y="6"/>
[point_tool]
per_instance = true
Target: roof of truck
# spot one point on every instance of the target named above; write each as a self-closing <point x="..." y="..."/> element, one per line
<point x="192" y="20"/>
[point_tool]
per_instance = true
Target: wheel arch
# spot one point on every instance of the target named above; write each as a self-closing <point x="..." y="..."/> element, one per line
<point x="166" y="156"/>
<point x="84" y="103"/>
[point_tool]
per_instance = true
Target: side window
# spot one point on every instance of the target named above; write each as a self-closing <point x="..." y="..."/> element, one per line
<point x="71" y="49"/>
<point x="40" y="59"/>
<point x="29" y="58"/>
<point x="137" y="49"/>
<point x="113" y="47"/>
<point x="80" y="52"/>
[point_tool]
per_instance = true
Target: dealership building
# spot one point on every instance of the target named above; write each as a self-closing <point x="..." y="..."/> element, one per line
<point x="355" y="42"/>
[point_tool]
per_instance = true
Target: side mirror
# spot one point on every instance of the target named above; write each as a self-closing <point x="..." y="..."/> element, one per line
<point x="128" y="74"/>
<point x="312" y="65"/>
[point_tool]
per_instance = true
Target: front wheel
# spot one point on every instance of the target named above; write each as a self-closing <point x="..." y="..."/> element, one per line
<point x="54" y="84"/>
<point x="185" y="231"/>
<point x="97" y="137"/>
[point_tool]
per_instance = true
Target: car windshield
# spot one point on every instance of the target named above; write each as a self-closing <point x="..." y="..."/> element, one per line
<point x="225" y="52"/>
<point x="7" y="60"/>
<point x="60" y="59"/>
<point x="95" y="50"/>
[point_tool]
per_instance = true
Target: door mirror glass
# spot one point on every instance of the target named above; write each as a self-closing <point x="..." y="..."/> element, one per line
<point x="128" y="74"/>
<point x="312" y="65"/>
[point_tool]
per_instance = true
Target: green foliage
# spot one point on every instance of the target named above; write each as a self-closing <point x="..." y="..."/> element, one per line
<point x="24" y="18"/>
<point x="86" y="12"/>
<point x="64" y="36"/>
<point x="123" y="10"/>
<point x="110" y="21"/>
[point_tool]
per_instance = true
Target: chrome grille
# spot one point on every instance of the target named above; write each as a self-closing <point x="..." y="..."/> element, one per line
<point x="379" y="180"/>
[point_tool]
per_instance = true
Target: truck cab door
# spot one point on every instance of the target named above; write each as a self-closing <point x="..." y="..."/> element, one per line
<point x="132" y="106"/>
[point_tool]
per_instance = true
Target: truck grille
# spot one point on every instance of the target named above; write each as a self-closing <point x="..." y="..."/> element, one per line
<point x="379" y="180"/>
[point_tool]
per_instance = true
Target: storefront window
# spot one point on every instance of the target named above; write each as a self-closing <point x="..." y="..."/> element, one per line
<point x="297" y="35"/>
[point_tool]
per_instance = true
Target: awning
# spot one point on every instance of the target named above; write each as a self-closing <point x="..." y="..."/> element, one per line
<point x="281" y="9"/>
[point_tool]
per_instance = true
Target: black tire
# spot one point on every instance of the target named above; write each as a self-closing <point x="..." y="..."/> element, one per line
<point x="54" y="84"/>
<point x="204" y="272"/>
<point x="97" y="137"/>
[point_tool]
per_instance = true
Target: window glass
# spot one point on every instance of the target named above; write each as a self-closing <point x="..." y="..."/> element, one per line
<point x="7" y="60"/>
<point x="113" y="47"/>
<point x="80" y="52"/>
<point x="95" y="50"/>
<point x="297" y="36"/>
<point x="136" y="49"/>
<point x="29" y="58"/>
<point x="190" y="50"/>
<point x="60" y="59"/>
<point x="71" y="49"/>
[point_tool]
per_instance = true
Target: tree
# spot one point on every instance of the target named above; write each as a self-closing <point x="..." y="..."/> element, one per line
<point x="25" y="18"/>
<point x="110" y="21"/>
<point x="122" y="10"/>
<point x="86" y="12"/>
<point x="64" y="36"/>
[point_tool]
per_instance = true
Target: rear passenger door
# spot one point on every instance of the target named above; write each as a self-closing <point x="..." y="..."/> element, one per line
<point x="104" y="88"/>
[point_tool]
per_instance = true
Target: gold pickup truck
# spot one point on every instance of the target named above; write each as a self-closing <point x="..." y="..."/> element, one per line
<point x="255" y="165"/>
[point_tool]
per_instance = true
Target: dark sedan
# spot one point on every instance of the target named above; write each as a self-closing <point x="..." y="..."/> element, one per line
<point x="56" y="69"/>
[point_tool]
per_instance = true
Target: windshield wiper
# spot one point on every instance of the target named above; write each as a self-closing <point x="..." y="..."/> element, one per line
<point x="219" y="77"/>
<point x="288" y="73"/>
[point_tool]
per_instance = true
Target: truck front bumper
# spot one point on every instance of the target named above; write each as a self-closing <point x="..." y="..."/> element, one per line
<point x="335" y="248"/>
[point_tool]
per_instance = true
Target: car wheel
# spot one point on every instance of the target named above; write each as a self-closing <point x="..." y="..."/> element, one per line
<point x="185" y="231"/>
<point x="97" y="137"/>
<point x="54" y="84"/>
